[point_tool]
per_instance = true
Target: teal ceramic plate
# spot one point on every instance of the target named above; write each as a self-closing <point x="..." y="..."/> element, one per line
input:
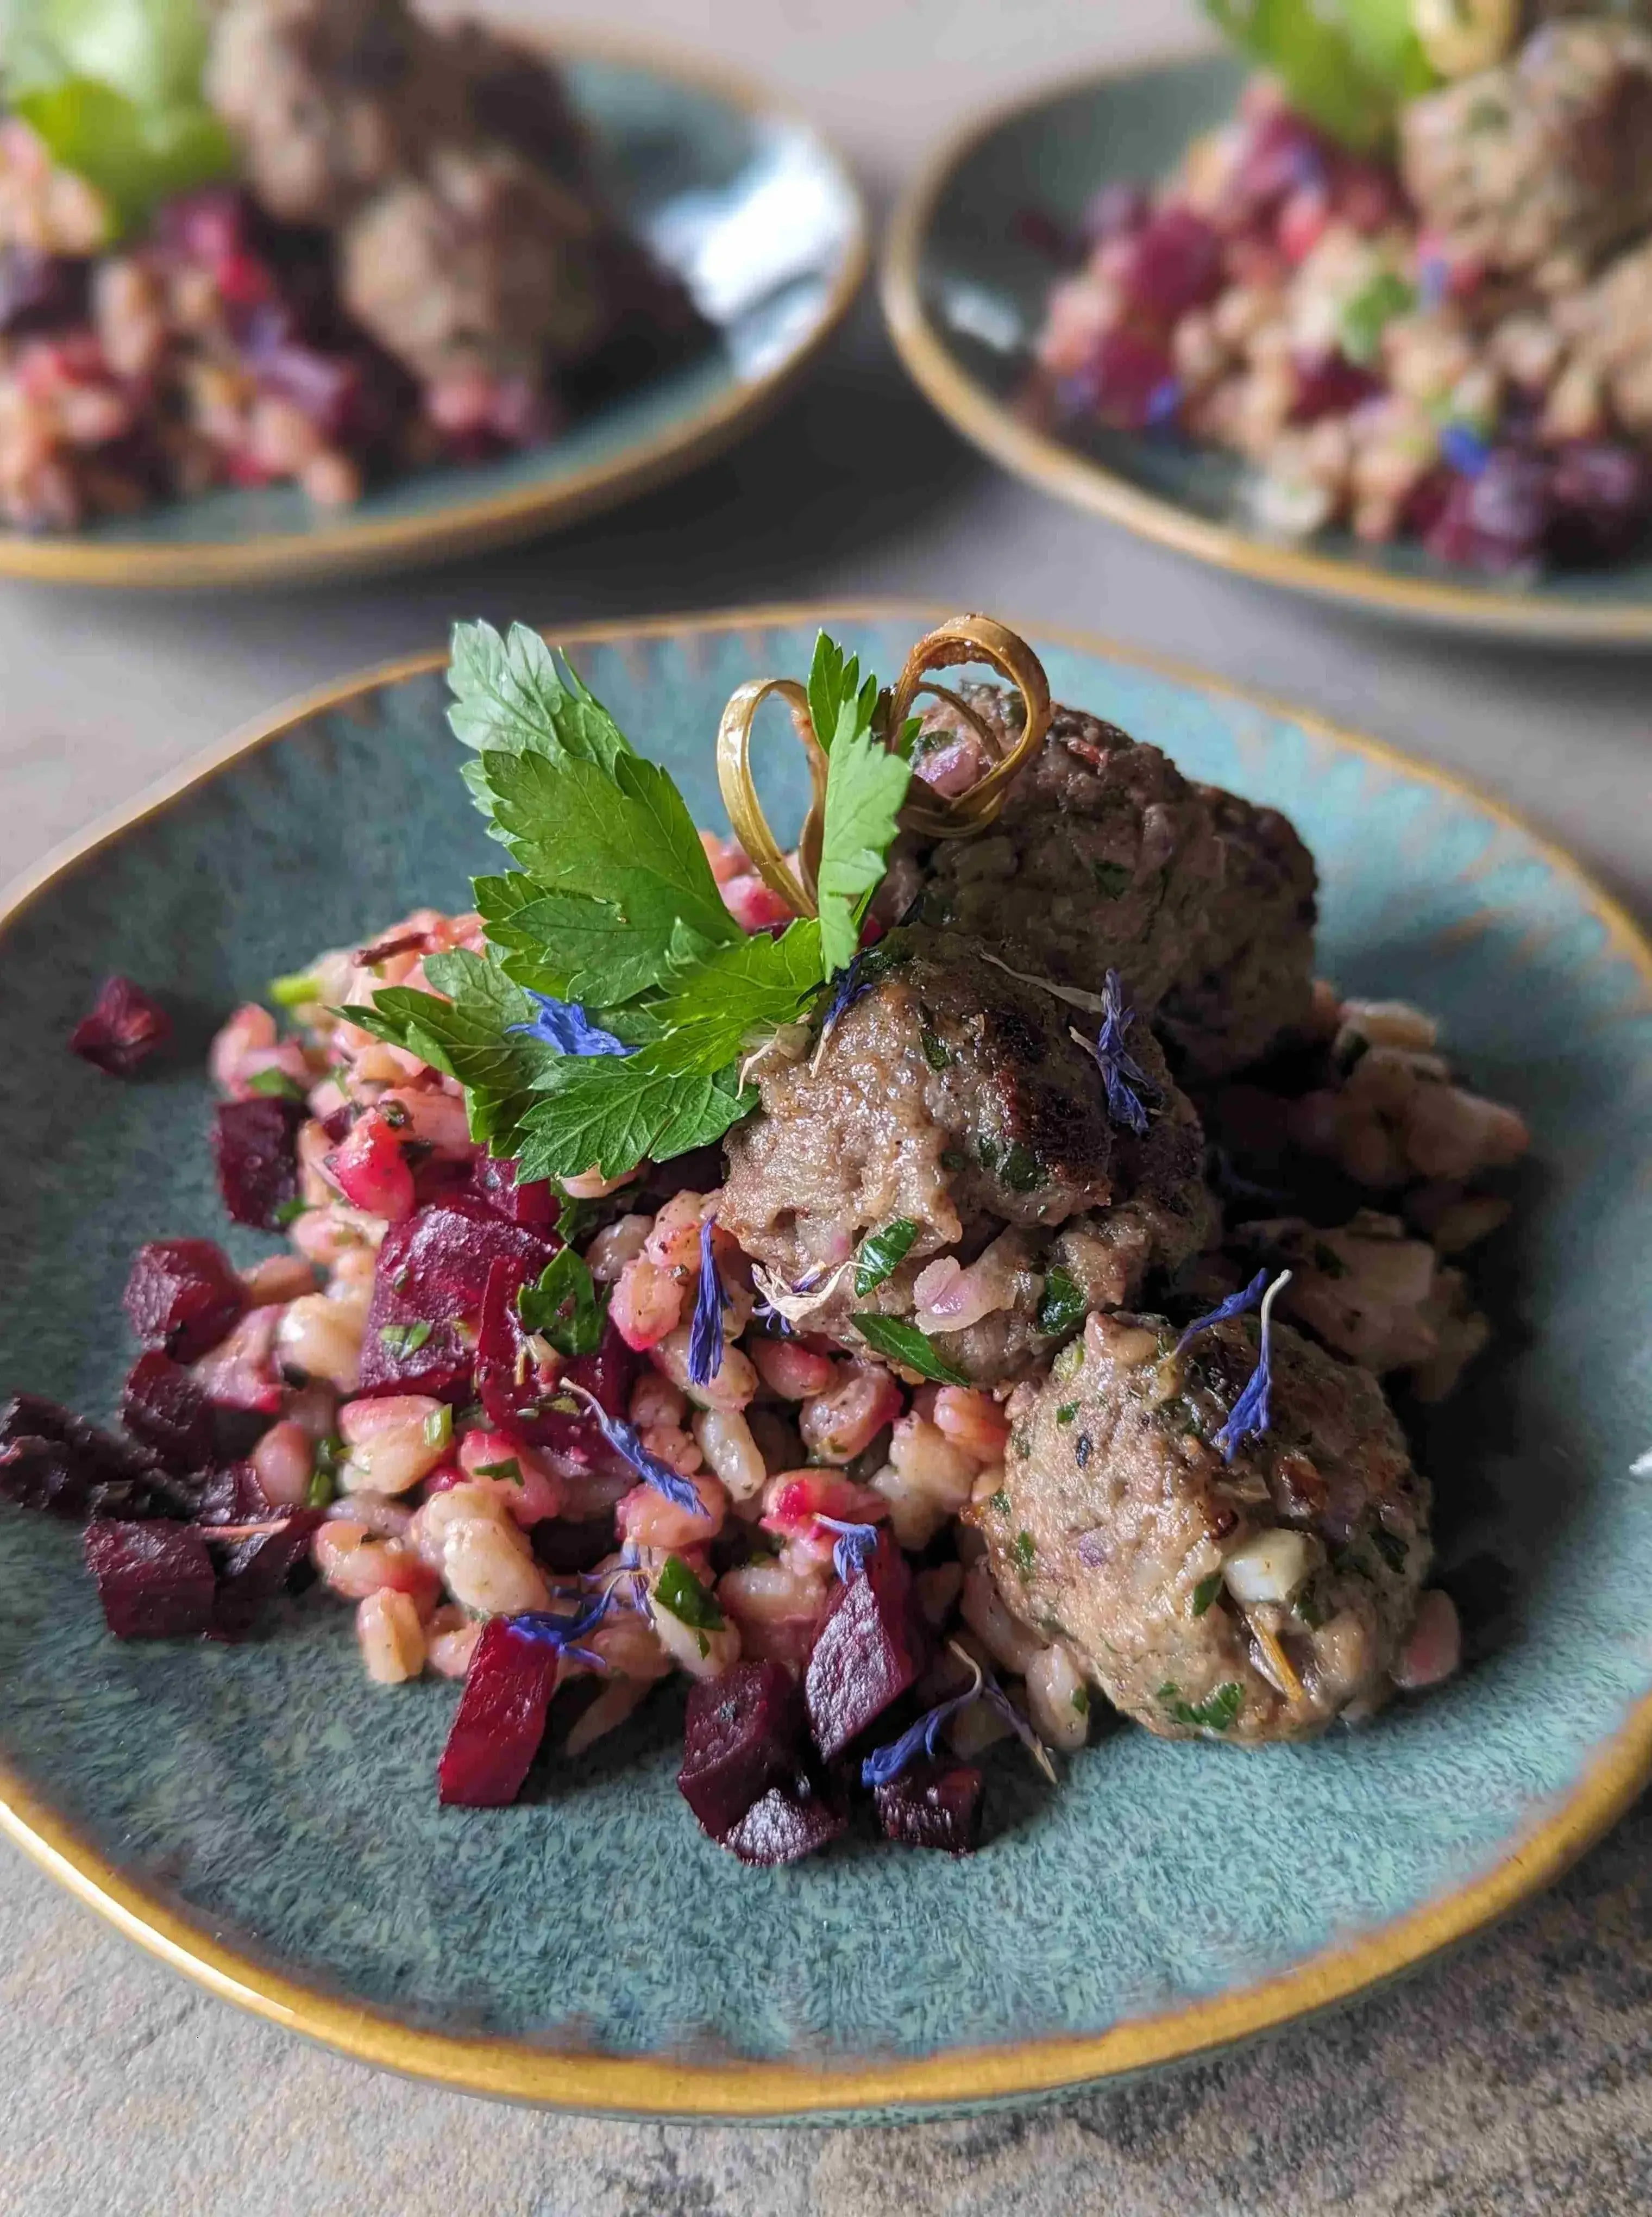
<point x="743" y="199"/>
<point x="964" y="293"/>
<point x="266" y="1820"/>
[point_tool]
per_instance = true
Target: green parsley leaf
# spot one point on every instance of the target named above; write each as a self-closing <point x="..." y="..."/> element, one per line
<point x="1215" y="1714"/>
<point x="1111" y="879"/>
<point x="574" y="1218"/>
<point x="512" y="696"/>
<point x="330" y="1454"/>
<point x="1389" y="1547"/>
<point x="276" y="1083"/>
<point x="720" y="1006"/>
<point x="1206" y="1591"/>
<point x="934" y="1052"/>
<point x="289" y="1212"/>
<point x="1020" y="1169"/>
<point x="865" y="785"/>
<point x="509" y="1469"/>
<point x="999" y="1503"/>
<point x="564" y="1306"/>
<point x="1061" y="1307"/>
<point x="882" y="1252"/>
<point x="609" y="1112"/>
<point x="466" y="1035"/>
<point x="954" y="1159"/>
<point x="679" y="1590"/>
<point x="405" y="1338"/>
<point x="296" y="991"/>
<point x="1025" y="1550"/>
<point x="1067" y="1411"/>
<point x="1364" y="318"/>
<point x="899" y="1342"/>
<point x="439" y="1427"/>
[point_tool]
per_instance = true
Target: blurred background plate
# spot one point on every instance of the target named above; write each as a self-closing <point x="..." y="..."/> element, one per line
<point x="964" y="289"/>
<point x="746" y="202"/>
<point x="263" y="1819"/>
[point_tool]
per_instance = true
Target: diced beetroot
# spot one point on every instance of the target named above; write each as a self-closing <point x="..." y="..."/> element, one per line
<point x="868" y="1652"/>
<point x="232" y="1495"/>
<point x="40" y="290"/>
<point x="789" y="1823"/>
<point x="1174" y="264"/>
<point x="1118" y="211"/>
<point x="741" y="1736"/>
<point x="51" y="1461"/>
<point x="932" y="1807"/>
<point x="1367" y="194"/>
<point x="256" y="1144"/>
<point x="514" y="1396"/>
<point x="155" y="1580"/>
<point x="183" y="1295"/>
<point x="1284" y="154"/>
<point x="534" y="1204"/>
<point x="1602" y="495"/>
<point x="252" y="1570"/>
<point x="1330" y="385"/>
<point x="372" y="1170"/>
<point x="1497" y="521"/>
<point x="433" y="1271"/>
<point x="1124" y="376"/>
<point x="500" y="1720"/>
<point x="162" y="1406"/>
<point x="122" y="1029"/>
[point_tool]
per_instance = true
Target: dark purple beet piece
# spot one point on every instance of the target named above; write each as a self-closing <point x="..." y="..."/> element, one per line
<point x="155" y="1580"/>
<point x="432" y="1269"/>
<point x="740" y="1736"/>
<point x="500" y="1720"/>
<point x="1602" y="495"/>
<point x="182" y="1296"/>
<point x="57" y="1462"/>
<point x="123" y="1027"/>
<point x="868" y="1651"/>
<point x="932" y="1807"/>
<point x="251" y="1572"/>
<point x="162" y="1405"/>
<point x="40" y="291"/>
<point x="534" y="1205"/>
<point x="232" y="1495"/>
<point x="255" y="1145"/>
<point x="790" y="1822"/>
<point x="566" y="1544"/>
<point x="509" y="1391"/>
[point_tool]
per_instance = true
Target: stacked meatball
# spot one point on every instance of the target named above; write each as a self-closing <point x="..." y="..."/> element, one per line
<point x="1121" y="925"/>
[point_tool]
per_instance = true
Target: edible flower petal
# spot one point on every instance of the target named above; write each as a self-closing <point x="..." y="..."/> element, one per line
<point x="852" y="1548"/>
<point x="566" y="1026"/>
<point x="1121" y="1073"/>
<point x="884" y="1764"/>
<point x="1236" y="1305"/>
<point x="706" y="1334"/>
<point x="626" y="1442"/>
<point x="1250" y="1414"/>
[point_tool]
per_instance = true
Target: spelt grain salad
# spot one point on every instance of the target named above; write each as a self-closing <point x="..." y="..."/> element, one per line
<point x="1410" y="282"/>
<point x="962" y="1280"/>
<point x="310" y="242"/>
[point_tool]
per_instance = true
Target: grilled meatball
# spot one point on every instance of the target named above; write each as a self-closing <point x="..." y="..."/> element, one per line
<point x="330" y="99"/>
<point x="1610" y="325"/>
<point x="483" y="264"/>
<point x="1536" y="167"/>
<point x="1106" y="856"/>
<point x="1120" y="1530"/>
<point x="952" y="1097"/>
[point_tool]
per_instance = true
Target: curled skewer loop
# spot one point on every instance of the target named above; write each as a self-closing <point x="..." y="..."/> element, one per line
<point x="740" y="792"/>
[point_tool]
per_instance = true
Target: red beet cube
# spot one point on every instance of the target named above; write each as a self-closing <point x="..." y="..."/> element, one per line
<point x="433" y="1271"/>
<point x="509" y="1389"/>
<point x="534" y="1205"/>
<point x="232" y="1495"/>
<point x="162" y="1406"/>
<point x="500" y="1720"/>
<point x="255" y="1145"/>
<point x="182" y="1296"/>
<point x="1174" y="264"/>
<point x="53" y="1461"/>
<point x="789" y="1823"/>
<point x="869" y="1650"/>
<point x="251" y="1572"/>
<point x="933" y="1807"/>
<point x="1330" y="385"/>
<point x="740" y="1738"/>
<point x="123" y="1028"/>
<point x="155" y="1580"/>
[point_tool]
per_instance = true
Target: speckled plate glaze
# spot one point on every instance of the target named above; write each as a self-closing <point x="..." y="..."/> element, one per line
<point x="744" y="199"/>
<point x="266" y="1821"/>
<point x="964" y="292"/>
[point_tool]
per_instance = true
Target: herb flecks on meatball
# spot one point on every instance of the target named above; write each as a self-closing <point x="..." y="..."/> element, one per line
<point x="951" y="1106"/>
<point x="1182" y="1582"/>
<point x="1106" y="857"/>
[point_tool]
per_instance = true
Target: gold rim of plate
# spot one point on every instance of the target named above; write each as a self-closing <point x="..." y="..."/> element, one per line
<point x="474" y="524"/>
<point x="1084" y="483"/>
<point x="671" y="2086"/>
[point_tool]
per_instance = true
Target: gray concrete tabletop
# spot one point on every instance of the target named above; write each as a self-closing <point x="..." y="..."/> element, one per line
<point x="1514" y="2077"/>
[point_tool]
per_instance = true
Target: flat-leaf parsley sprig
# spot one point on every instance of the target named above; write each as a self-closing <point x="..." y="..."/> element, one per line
<point x="607" y="1021"/>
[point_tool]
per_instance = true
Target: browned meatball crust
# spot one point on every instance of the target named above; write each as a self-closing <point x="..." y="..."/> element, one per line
<point x="1121" y="1530"/>
<point x="1105" y="857"/>
<point x="953" y="1096"/>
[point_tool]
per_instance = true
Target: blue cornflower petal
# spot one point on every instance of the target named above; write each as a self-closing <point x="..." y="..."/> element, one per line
<point x="1250" y="1413"/>
<point x="854" y="1547"/>
<point x="706" y="1334"/>
<point x="1465" y="450"/>
<point x="1434" y="280"/>
<point x="1120" y="1072"/>
<point x="884" y="1764"/>
<point x="1236" y="1305"/>
<point x="1163" y="402"/>
<point x="560" y="1632"/>
<point x="626" y="1442"/>
<point x="566" y="1026"/>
